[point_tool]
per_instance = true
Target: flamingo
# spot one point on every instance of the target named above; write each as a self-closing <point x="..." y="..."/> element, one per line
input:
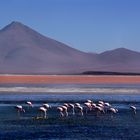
<point x="107" y="104"/>
<point x="46" y="106"/>
<point x="133" y="108"/>
<point x="65" y="109"/>
<point x="101" y="102"/>
<point x="93" y="105"/>
<point x="89" y="101"/>
<point x="60" y="109"/>
<point x="67" y="105"/>
<point x="29" y="104"/>
<point x="113" y="110"/>
<point x="100" y="105"/>
<point x="99" y="109"/>
<point x="77" y="104"/>
<point x="88" y="106"/>
<point x="79" y="108"/>
<point x="19" y="109"/>
<point x="44" y="110"/>
<point x="72" y="107"/>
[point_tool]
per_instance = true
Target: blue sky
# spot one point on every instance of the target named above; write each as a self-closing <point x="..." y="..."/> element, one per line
<point x="88" y="25"/>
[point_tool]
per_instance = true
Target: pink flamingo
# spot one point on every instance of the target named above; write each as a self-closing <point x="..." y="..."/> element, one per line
<point x="89" y="101"/>
<point x="79" y="108"/>
<point x="107" y="104"/>
<point x="65" y="110"/>
<point x="100" y="105"/>
<point x="77" y="104"/>
<point x="99" y="110"/>
<point x="19" y="109"/>
<point x="113" y="110"/>
<point x="67" y="105"/>
<point x="93" y="105"/>
<point x="133" y="108"/>
<point x="72" y="107"/>
<point x="29" y="104"/>
<point x="88" y="106"/>
<point x="60" y="109"/>
<point x="101" y="102"/>
<point x="47" y="106"/>
<point x="43" y="110"/>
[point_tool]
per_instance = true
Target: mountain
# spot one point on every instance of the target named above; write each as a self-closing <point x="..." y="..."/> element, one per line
<point x="23" y="50"/>
<point x="119" y="60"/>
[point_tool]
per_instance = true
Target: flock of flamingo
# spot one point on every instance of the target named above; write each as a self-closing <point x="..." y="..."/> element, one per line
<point x="74" y="108"/>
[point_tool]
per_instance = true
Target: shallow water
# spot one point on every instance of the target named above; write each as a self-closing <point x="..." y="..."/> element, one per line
<point x="123" y="125"/>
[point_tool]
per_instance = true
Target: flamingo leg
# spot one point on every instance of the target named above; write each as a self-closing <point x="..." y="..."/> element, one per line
<point x="86" y="110"/>
<point x="73" y="112"/>
<point x="81" y="113"/>
<point x="61" y="114"/>
<point x="66" y="113"/>
<point x="45" y="115"/>
<point x="18" y="114"/>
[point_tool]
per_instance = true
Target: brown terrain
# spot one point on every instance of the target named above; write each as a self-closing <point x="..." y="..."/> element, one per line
<point x="69" y="79"/>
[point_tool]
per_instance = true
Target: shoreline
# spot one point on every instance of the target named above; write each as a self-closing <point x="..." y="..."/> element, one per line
<point x="69" y="93"/>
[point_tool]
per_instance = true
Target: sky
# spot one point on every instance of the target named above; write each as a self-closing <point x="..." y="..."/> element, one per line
<point x="87" y="25"/>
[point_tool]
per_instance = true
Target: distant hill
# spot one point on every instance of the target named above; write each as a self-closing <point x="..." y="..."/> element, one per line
<point x="119" y="60"/>
<point x="23" y="50"/>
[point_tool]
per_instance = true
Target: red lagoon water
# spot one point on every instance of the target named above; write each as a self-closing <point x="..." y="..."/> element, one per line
<point x="69" y="79"/>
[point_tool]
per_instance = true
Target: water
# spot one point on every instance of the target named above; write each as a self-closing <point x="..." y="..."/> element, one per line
<point x="123" y="125"/>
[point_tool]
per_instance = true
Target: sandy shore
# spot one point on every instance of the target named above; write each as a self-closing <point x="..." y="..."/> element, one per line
<point x="69" y="79"/>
